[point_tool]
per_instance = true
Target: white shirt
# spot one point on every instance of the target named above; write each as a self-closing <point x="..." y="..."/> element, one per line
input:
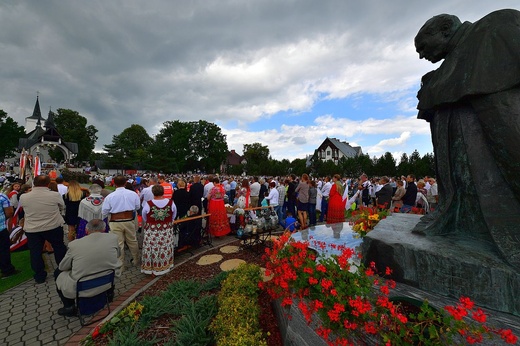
<point x="161" y="203"/>
<point x="62" y="189"/>
<point x="273" y="197"/>
<point x="120" y="200"/>
<point x="146" y="195"/>
<point x="255" y="189"/>
<point x="325" y="191"/>
<point x="207" y="189"/>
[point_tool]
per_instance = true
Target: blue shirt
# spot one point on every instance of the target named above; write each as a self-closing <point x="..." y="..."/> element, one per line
<point x="4" y="201"/>
<point x="290" y="222"/>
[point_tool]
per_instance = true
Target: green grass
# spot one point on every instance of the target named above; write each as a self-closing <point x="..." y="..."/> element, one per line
<point x="21" y="261"/>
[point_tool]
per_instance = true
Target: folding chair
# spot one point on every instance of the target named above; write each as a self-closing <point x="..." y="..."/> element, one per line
<point x="88" y="306"/>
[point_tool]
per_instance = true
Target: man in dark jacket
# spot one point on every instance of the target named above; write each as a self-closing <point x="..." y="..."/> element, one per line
<point x="196" y="193"/>
<point x="410" y="195"/>
<point x="384" y="196"/>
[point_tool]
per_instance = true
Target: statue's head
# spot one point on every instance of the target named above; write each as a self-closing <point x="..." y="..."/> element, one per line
<point x="432" y="39"/>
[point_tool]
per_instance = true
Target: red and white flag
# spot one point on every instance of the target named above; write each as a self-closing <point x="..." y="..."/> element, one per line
<point x="23" y="159"/>
<point x="37" y="166"/>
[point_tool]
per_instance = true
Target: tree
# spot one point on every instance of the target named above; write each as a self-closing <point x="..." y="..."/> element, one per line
<point x="279" y="168"/>
<point x="130" y="148"/>
<point x="73" y="128"/>
<point x="428" y="162"/>
<point x="10" y="133"/>
<point x="208" y="146"/>
<point x="404" y="165"/>
<point x="183" y="146"/>
<point x="256" y="154"/>
<point x="386" y="165"/>
<point x="327" y="168"/>
<point x="299" y="166"/>
<point x="366" y="164"/>
<point x="171" y="147"/>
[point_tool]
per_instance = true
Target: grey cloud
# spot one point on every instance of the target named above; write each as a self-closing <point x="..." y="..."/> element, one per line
<point x="299" y="140"/>
<point x="128" y="61"/>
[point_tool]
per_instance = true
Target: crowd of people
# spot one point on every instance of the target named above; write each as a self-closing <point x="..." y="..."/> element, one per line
<point x="124" y="205"/>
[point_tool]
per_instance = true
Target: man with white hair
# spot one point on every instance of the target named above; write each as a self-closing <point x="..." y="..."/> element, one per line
<point x="96" y="252"/>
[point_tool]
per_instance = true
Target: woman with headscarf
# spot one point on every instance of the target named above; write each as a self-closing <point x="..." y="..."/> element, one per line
<point x="90" y="209"/>
<point x="336" y="211"/>
<point x="158" y="242"/>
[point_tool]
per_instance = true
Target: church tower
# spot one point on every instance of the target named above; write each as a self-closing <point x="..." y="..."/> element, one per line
<point x="32" y="121"/>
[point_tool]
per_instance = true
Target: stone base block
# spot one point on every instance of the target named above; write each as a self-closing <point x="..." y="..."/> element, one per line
<point x="443" y="265"/>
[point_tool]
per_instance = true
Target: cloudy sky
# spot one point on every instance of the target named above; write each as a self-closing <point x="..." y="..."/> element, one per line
<point x="284" y="73"/>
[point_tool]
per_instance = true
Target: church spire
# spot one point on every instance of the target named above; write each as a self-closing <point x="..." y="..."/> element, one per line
<point x="37" y="114"/>
<point x="49" y="123"/>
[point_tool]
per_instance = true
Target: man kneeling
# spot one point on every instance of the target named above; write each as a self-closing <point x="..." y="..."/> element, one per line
<point x="96" y="252"/>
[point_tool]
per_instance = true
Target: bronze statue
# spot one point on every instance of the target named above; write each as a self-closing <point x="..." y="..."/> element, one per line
<point x="472" y="102"/>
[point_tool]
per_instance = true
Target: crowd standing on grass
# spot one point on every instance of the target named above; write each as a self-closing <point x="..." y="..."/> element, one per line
<point x="50" y="210"/>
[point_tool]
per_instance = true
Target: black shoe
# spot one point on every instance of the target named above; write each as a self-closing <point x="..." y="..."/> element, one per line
<point x="69" y="311"/>
<point x="40" y="281"/>
<point x="16" y="271"/>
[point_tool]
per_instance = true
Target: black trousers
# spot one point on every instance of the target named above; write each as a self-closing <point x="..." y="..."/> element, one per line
<point x="5" y="253"/>
<point x="67" y="302"/>
<point x="35" y="242"/>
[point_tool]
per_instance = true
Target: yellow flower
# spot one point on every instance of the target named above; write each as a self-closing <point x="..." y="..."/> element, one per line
<point x="373" y="217"/>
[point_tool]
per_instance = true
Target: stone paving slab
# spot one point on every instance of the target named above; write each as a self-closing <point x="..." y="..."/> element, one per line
<point x="29" y="311"/>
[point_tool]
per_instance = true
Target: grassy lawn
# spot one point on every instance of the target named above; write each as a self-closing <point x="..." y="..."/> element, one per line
<point x="21" y="261"/>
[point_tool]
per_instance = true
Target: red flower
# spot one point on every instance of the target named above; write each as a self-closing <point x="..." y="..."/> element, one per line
<point x="307" y="270"/>
<point x="321" y="268"/>
<point x="370" y="328"/>
<point x="508" y="336"/>
<point x="95" y="333"/>
<point x="286" y="301"/>
<point x="318" y="304"/>
<point x="479" y="315"/>
<point x="457" y="312"/>
<point x="466" y="303"/>
<point x="402" y="318"/>
<point x="326" y="283"/>
<point x="323" y="332"/>
<point x="474" y="339"/>
<point x="349" y="325"/>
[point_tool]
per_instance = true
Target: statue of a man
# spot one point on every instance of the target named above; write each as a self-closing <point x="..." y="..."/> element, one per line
<point x="472" y="102"/>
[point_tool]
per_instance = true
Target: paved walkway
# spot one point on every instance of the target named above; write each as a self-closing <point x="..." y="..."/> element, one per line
<point x="28" y="312"/>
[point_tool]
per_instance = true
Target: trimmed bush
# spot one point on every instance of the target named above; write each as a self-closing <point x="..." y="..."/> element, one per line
<point x="237" y="320"/>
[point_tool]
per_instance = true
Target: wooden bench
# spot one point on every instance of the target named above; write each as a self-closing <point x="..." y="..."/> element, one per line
<point x="194" y="232"/>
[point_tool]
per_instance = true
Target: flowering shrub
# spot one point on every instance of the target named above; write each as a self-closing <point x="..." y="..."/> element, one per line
<point x="353" y="303"/>
<point x="237" y="320"/>
<point x="128" y="316"/>
<point x="364" y="219"/>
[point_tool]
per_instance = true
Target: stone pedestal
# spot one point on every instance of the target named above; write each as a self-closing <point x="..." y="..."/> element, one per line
<point x="447" y="266"/>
